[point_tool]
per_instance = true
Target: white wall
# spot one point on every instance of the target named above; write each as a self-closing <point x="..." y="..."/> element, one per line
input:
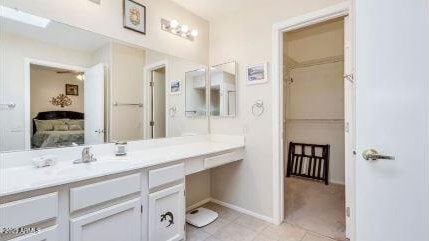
<point x="127" y="80"/>
<point x="197" y="187"/>
<point x="246" y="37"/>
<point x="107" y="19"/>
<point x="16" y="50"/>
<point x="48" y="83"/>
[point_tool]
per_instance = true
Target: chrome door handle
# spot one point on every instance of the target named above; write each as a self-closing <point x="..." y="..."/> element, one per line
<point x="373" y="155"/>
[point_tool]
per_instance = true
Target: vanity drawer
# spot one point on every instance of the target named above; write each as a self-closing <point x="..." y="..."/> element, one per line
<point x="29" y="211"/>
<point x="223" y="159"/>
<point x="194" y="165"/>
<point x="165" y="175"/>
<point x="93" y="194"/>
<point x="50" y="234"/>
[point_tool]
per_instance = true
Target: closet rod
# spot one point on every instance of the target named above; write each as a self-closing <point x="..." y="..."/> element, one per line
<point x="127" y="104"/>
<point x="315" y="120"/>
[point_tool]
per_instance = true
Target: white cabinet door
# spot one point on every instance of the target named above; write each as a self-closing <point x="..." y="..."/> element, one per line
<point x="94" y="105"/>
<point x="50" y="234"/>
<point x="119" y="222"/>
<point x="167" y="214"/>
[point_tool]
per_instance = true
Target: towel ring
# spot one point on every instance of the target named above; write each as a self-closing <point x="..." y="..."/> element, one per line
<point x="258" y="108"/>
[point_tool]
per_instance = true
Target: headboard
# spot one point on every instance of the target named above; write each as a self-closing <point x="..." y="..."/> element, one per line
<point x="54" y="115"/>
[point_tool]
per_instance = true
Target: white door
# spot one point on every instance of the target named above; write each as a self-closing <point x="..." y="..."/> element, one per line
<point x="392" y="117"/>
<point x="119" y="222"/>
<point x="159" y="103"/>
<point x="94" y="105"/>
<point x="167" y="214"/>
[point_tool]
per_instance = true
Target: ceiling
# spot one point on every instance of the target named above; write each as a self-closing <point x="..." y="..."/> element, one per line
<point x="212" y="9"/>
<point x="57" y="34"/>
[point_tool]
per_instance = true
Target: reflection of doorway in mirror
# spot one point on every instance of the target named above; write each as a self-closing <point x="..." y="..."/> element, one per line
<point x="157" y="120"/>
<point x="232" y="105"/>
<point x="55" y="117"/>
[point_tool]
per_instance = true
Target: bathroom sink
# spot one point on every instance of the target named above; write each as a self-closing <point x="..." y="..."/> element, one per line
<point x="82" y="168"/>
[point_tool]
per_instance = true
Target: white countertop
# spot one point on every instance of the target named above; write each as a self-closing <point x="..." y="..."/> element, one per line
<point x="28" y="178"/>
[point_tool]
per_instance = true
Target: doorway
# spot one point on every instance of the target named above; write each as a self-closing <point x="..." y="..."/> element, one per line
<point x="156" y="92"/>
<point x="279" y="73"/>
<point x="57" y="97"/>
<point x="313" y="112"/>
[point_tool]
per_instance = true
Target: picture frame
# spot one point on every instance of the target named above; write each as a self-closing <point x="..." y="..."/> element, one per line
<point x="134" y="16"/>
<point x="72" y="89"/>
<point x="175" y="87"/>
<point x="257" y="73"/>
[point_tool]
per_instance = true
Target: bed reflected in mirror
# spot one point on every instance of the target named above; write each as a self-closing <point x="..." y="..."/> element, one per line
<point x="69" y="87"/>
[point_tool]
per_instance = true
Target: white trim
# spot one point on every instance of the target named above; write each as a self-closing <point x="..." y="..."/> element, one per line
<point x="335" y="11"/>
<point x="147" y="78"/>
<point x="245" y="211"/>
<point x="27" y="91"/>
<point x="198" y="204"/>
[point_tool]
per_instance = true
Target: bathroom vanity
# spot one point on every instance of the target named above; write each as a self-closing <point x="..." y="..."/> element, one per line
<point x="137" y="197"/>
<point x="93" y="92"/>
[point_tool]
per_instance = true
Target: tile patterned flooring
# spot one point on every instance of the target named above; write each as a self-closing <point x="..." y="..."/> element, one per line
<point x="235" y="226"/>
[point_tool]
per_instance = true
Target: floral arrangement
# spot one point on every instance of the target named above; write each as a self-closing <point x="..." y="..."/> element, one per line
<point x="61" y="100"/>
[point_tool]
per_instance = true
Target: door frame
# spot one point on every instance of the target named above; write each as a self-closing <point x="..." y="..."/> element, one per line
<point x="312" y="18"/>
<point x="27" y="90"/>
<point x="147" y="78"/>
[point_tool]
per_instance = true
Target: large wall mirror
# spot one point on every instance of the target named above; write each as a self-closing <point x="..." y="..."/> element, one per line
<point x="63" y="86"/>
<point x="223" y="89"/>
<point x="196" y="94"/>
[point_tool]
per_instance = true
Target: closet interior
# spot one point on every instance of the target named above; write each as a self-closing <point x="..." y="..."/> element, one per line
<point x="314" y="128"/>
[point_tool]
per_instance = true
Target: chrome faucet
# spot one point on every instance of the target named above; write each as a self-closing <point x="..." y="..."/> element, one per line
<point x="87" y="157"/>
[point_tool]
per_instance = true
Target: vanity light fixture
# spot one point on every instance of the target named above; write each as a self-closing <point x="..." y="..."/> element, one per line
<point x="23" y="17"/>
<point x="178" y="29"/>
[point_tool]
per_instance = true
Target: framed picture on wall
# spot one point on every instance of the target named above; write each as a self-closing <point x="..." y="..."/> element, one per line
<point x="175" y="87"/>
<point x="72" y="89"/>
<point x="257" y="74"/>
<point x="134" y="16"/>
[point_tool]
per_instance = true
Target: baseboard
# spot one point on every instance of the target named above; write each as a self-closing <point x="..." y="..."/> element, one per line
<point x="198" y="204"/>
<point x="337" y="182"/>
<point x="244" y="211"/>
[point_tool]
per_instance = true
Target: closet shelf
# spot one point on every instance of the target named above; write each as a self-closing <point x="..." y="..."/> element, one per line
<point x="315" y="120"/>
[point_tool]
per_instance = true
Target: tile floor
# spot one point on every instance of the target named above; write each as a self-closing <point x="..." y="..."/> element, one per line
<point x="235" y="226"/>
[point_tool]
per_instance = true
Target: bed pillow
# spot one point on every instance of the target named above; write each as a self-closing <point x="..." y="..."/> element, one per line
<point x="80" y="123"/>
<point x="75" y="128"/>
<point x="44" y="125"/>
<point x="59" y="121"/>
<point x="61" y="127"/>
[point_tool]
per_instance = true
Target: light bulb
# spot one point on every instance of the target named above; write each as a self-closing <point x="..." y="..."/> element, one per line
<point x="184" y="29"/>
<point x="174" y="24"/>
<point x="194" y="32"/>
